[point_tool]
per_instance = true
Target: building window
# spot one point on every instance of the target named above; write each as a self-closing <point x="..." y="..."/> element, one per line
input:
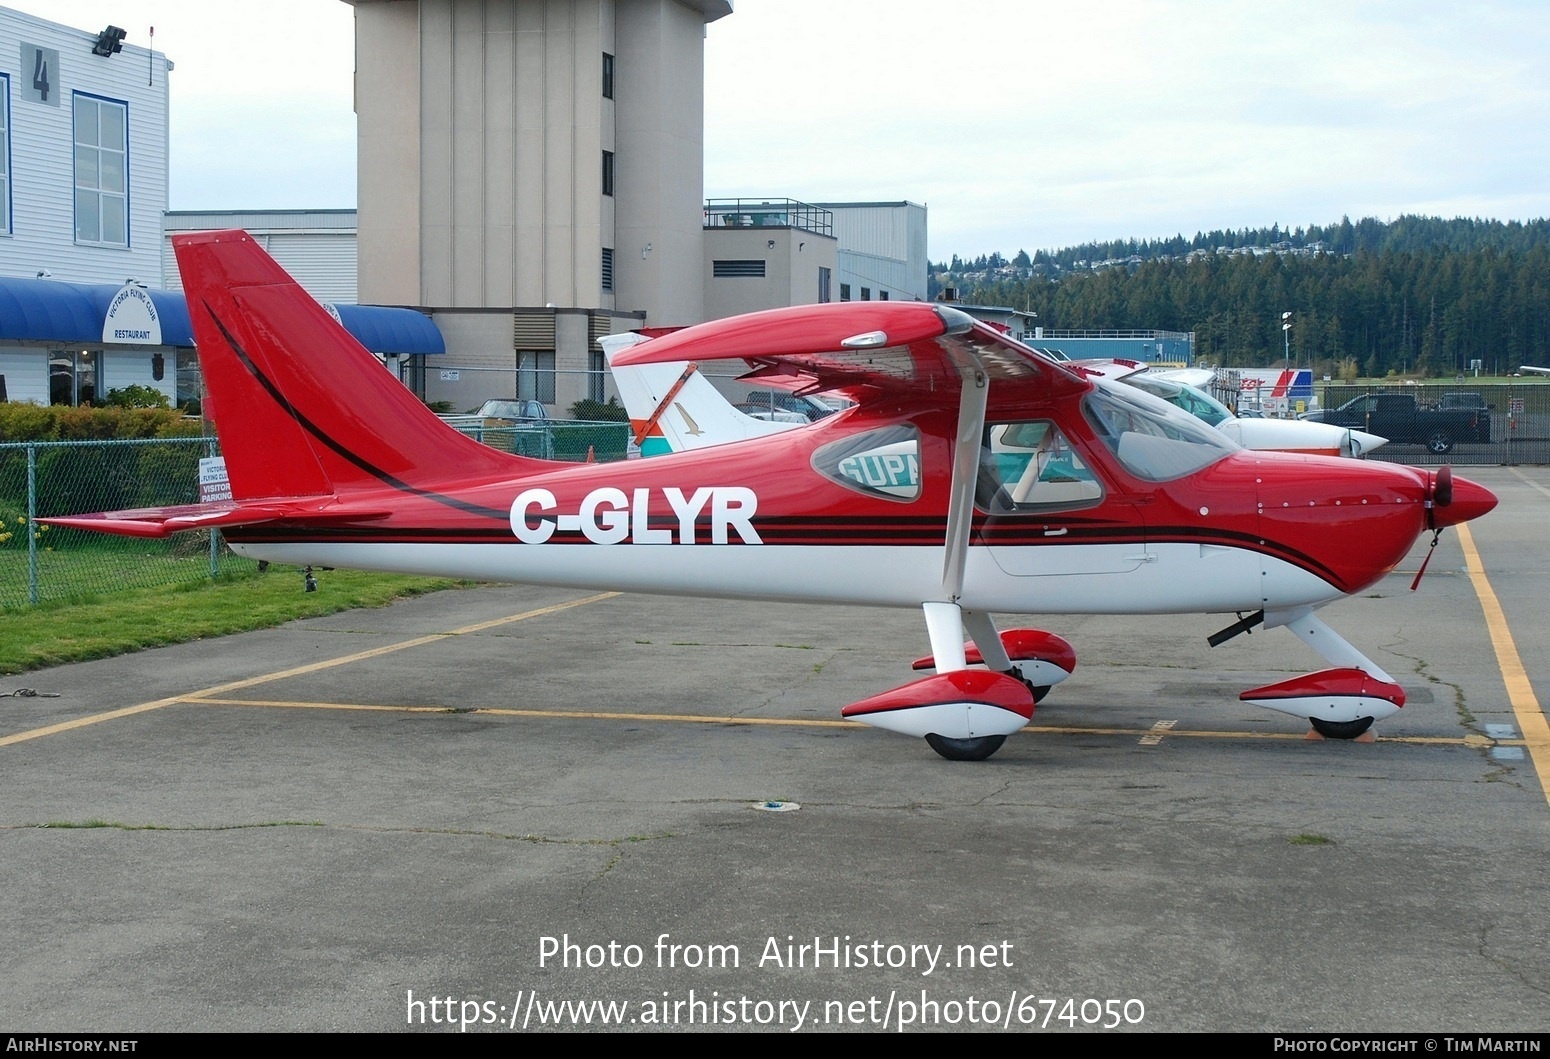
<point x="535" y="376"/>
<point x="5" y="153"/>
<point x="101" y="171"/>
<point x="844" y="292"/>
<point x="823" y="284"/>
<point x="866" y="294"/>
<point x="608" y="76"/>
<point x="74" y="378"/>
<point x="596" y="376"/>
<point x="882" y="295"/>
<point x="608" y="269"/>
<point x="190" y="385"/>
<point x="608" y="172"/>
<point x="738" y="269"/>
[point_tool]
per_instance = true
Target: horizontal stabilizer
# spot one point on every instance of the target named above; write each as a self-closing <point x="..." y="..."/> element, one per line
<point x="165" y="521"/>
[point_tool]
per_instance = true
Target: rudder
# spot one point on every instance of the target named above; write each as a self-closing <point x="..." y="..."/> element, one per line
<point x="301" y="408"/>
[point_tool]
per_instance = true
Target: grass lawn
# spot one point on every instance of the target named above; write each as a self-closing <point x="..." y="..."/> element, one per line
<point x="55" y="633"/>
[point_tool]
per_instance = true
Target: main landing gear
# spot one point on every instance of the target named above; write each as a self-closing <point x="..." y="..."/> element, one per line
<point x="963" y="713"/>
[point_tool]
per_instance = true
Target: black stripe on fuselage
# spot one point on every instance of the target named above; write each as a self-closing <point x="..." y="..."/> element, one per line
<point x="311" y="428"/>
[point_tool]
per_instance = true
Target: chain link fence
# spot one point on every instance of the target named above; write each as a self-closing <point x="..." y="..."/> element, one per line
<point x="1506" y="423"/>
<point x="46" y="478"/>
<point x="573" y="441"/>
<point x="1462" y="422"/>
<point x="42" y="479"/>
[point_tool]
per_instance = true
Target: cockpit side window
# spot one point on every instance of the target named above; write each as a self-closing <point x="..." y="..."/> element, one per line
<point x="883" y="463"/>
<point x="1030" y="467"/>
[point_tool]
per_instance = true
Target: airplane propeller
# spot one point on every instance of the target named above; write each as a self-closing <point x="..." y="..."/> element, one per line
<point x="1439" y="494"/>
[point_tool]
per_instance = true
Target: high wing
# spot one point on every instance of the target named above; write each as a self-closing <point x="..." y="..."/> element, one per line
<point x="881" y="345"/>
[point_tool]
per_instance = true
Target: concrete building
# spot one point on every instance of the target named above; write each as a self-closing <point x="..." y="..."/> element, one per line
<point x="530" y="171"/>
<point x="766" y="253"/>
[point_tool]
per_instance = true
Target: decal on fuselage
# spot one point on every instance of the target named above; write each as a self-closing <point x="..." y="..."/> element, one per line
<point x="883" y="463"/>
<point x="610" y="516"/>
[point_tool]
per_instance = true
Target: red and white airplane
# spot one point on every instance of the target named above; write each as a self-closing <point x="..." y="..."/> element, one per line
<point x="971" y="478"/>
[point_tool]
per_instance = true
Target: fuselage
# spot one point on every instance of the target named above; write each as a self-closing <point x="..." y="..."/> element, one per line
<point x="1073" y="514"/>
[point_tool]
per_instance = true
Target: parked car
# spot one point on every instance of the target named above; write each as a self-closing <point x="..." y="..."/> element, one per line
<point x="764" y="404"/>
<point x="511" y="424"/>
<point x="1403" y="420"/>
<point x="1475" y="402"/>
<point x="505" y="412"/>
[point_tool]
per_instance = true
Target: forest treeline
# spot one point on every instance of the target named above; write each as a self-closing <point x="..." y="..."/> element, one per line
<point x="1416" y="294"/>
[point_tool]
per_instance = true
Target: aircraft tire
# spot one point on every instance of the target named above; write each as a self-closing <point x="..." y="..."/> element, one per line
<point x="1340" y="729"/>
<point x="965" y="749"/>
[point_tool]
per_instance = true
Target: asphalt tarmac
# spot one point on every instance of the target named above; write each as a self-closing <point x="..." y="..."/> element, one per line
<point x="514" y="809"/>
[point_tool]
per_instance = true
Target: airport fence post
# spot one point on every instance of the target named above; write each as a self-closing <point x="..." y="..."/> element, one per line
<point x="212" y="450"/>
<point x="32" y="524"/>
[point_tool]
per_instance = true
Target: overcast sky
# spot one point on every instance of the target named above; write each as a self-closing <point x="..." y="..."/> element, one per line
<point x="1021" y="124"/>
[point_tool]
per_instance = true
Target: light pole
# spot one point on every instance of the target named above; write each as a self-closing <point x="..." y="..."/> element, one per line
<point x="1286" y="340"/>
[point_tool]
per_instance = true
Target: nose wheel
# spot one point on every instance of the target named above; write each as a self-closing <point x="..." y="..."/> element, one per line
<point x="977" y="749"/>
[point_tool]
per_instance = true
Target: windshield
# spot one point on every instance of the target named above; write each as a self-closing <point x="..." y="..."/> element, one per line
<point x="1196" y="402"/>
<point x="1151" y="438"/>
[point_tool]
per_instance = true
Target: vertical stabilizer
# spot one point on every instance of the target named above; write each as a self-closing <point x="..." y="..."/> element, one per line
<point x="673" y="407"/>
<point x="301" y="408"/>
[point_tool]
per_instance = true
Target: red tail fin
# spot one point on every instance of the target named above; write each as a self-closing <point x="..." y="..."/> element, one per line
<point x="301" y="408"/>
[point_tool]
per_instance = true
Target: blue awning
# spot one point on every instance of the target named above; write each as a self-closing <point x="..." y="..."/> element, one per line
<point x="45" y="310"/>
<point x="387" y="331"/>
<point x="50" y="312"/>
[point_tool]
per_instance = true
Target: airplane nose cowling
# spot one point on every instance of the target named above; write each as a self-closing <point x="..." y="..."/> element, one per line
<point x="1469" y="500"/>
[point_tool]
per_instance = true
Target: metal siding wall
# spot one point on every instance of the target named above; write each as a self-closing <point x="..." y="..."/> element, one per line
<point x="42" y="157"/>
<point x="123" y="368"/>
<point x="882" y="247"/>
<point x="26" y="375"/>
<point x="322" y="261"/>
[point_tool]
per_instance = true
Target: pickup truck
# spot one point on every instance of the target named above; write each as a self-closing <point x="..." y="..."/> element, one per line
<point x="1403" y="420"/>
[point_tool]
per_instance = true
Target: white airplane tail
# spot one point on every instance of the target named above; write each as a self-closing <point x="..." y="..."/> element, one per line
<point x="674" y="408"/>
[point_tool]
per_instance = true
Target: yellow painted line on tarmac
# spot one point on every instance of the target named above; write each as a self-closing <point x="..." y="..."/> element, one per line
<point x="503" y="711"/>
<point x="1525" y="706"/>
<point x="296" y="671"/>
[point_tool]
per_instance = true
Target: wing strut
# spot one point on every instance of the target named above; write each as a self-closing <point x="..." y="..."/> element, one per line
<point x="944" y="618"/>
<point x="972" y="399"/>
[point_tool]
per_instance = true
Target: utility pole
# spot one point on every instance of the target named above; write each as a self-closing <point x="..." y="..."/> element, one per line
<point x="1286" y="341"/>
